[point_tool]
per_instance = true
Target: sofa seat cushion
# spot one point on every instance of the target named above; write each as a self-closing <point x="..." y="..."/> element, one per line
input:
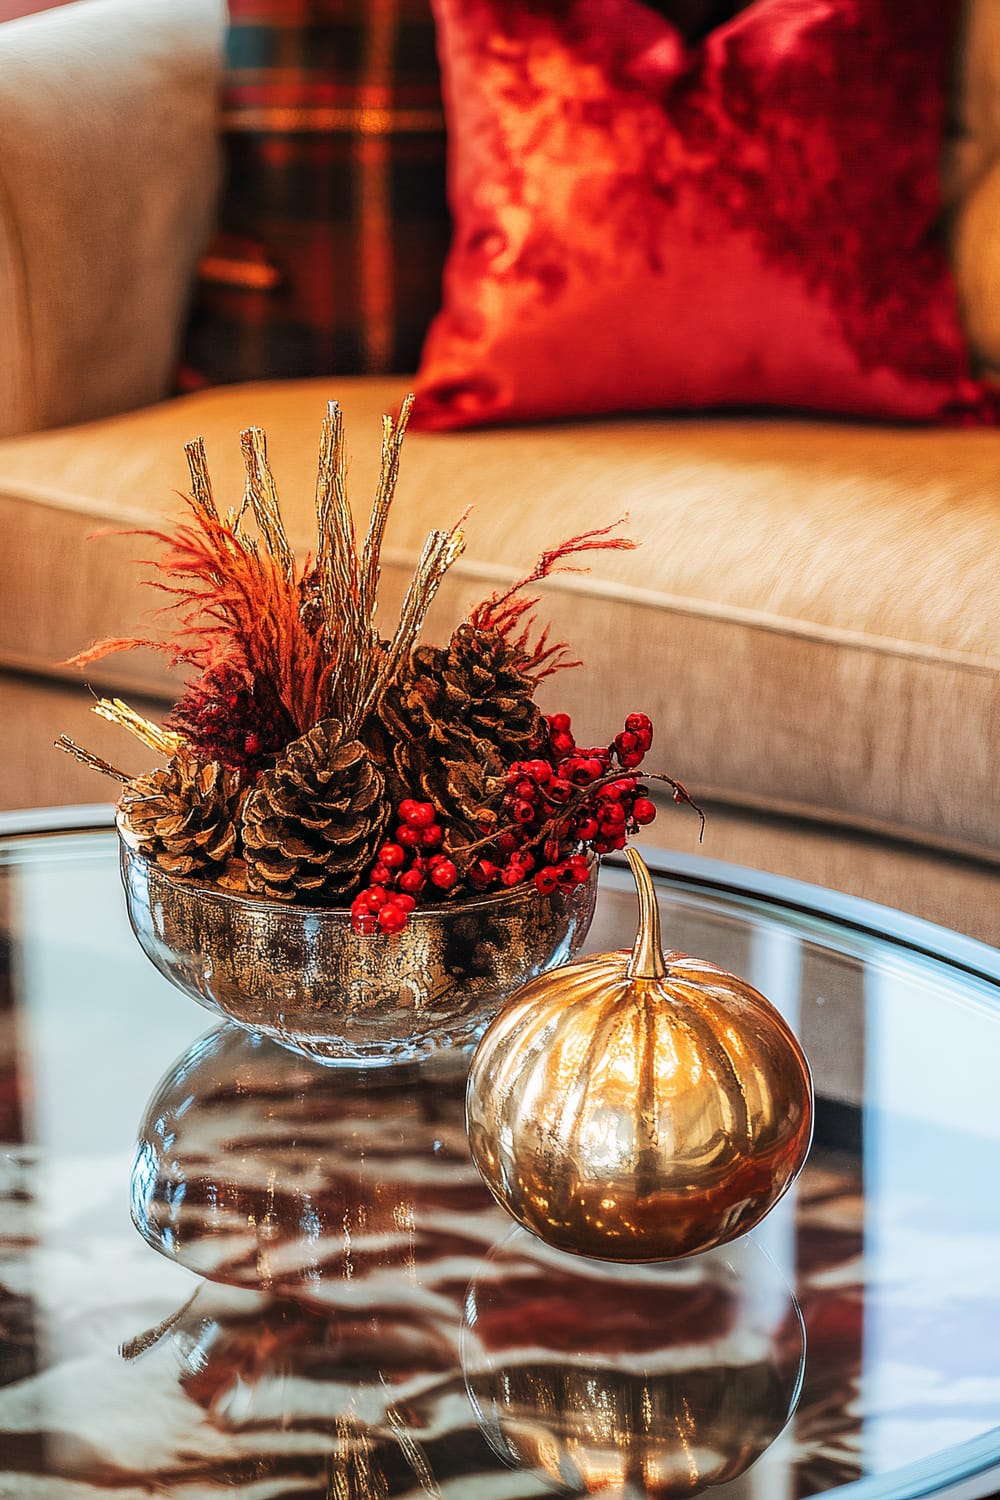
<point x="811" y="619"/>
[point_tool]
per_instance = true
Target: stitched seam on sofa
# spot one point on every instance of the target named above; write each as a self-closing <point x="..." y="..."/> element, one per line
<point x="905" y="834"/>
<point x="853" y="640"/>
<point x="100" y="679"/>
<point x="736" y="614"/>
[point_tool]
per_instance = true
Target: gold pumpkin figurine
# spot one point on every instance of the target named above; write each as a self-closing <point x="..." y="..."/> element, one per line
<point x="636" y="1107"/>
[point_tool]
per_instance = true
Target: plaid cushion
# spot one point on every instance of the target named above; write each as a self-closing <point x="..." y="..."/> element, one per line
<point x="334" y="223"/>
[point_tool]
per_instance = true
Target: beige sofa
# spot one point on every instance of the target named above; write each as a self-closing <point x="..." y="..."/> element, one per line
<point x="811" y="619"/>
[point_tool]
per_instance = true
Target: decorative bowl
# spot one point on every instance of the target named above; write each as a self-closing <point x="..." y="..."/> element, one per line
<point x="304" y="977"/>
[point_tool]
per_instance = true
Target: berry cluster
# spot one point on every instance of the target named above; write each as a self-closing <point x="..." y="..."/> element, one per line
<point x="402" y="870"/>
<point x="577" y="796"/>
<point x="567" y="800"/>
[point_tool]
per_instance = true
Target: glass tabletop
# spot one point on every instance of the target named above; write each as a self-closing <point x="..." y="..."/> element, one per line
<point x="225" y="1267"/>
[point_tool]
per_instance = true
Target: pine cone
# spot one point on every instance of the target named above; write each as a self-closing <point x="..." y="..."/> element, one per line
<point x="457" y="718"/>
<point x="312" y="824"/>
<point x="185" y="816"/>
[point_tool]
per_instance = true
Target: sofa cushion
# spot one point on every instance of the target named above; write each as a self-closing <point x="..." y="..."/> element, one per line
<point x="642" y="224"/>
<point x="811" y="618"/>
<point x="334" y="225"/>
<point x="108" y="178"/>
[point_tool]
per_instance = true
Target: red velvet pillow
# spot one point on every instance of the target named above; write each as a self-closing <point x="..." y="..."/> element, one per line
<point x="749" y="220"/>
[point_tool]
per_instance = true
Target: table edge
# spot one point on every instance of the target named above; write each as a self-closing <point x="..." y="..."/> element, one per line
<point x="686" y="871"/>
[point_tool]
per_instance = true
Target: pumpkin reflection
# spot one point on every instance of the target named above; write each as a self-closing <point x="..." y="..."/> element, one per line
<point x="639" y="1383"/>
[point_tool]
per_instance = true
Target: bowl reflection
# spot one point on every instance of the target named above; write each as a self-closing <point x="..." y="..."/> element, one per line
<point x="634" y="1382"/>
<point x="258" y="1169"/>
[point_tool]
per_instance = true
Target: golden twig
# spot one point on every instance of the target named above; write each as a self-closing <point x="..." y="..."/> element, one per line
<point x="87" y="758"/>
<point x="392" y="441"/>
<point x="336" y="557"/>
<point x="143" y="1342"/>
<point x="263" y="498"/>
<point x="201" y="484"/>
<point x="441" y="549"/>
<point x="163" y="741"/>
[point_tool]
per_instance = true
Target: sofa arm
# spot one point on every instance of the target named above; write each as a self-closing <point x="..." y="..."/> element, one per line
<point x="109" y="168"/>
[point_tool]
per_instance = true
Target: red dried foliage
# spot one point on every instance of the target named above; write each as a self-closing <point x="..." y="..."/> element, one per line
<point x="235" y="609"/>
<point x="504" y="611"/>
<point x="223" y="717"/>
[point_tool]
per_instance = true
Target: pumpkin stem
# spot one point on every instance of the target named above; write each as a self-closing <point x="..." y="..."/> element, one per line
<point x="647" y="961"/>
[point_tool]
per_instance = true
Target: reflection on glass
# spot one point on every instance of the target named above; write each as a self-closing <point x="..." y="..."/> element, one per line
<point x="281" y="1390"/>
<point x="633" y="1382"/>
<point x="258" y="1169"/>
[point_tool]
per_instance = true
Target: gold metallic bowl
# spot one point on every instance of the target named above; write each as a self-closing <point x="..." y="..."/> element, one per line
<point x="302" y="976"/>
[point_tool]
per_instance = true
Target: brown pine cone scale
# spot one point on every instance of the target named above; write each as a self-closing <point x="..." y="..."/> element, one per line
<point x="313" y="822"/>
<point x="185" y="816"/>
<point x="456" y="717"/>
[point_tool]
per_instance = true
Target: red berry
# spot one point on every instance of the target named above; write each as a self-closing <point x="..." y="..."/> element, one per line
<point x="630" y="758"/>
<point x="586" y="829"/>
<point x="403" y="901"/>
<point x="610" y="793"/>
<point x="408" y="836"/>
<point x="559" y="789"/>
<point x="513" y="874"/>
<point x="539" y="770"/>
<point x="364" y="922"/>
<point x="563" y="744"/>
<point x="393" y="855"/>
<point x="507" y="843"/>
<point x="524" y="812"/>
<point x="421" y="815"/>
<point x="525" y="789"/>
<point x="626" y="740"/>
<point x="559" y="723"/>
<point x="546" y="880"/>
<point x="431" y="836"/>
<point x="482" y="874"/>
<point x="638" y="722"/>
<point x="444" y="875"/>
<point x="406" y="808"/>
<point x="643" y="811"/>
<point x="381" y="874"/>
<point x="392" y="918"/>
<point x="613" y="815"/>
<point x="412" y="881"/>
<point x="376" y="896"/>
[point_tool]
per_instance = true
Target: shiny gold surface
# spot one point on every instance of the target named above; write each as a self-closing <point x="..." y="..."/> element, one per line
<point x="629" y="1381"/>
<point x="302" y="976"/>
<point x="639" y="1106"/>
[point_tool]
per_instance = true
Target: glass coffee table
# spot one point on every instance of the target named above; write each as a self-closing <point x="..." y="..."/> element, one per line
<point x="225" y="1268"/>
